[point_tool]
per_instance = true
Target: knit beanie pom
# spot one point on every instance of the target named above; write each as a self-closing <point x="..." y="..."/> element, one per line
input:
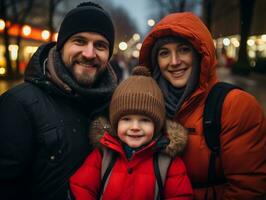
<point x="89" y="4"/>
<point x="141" y="71"/>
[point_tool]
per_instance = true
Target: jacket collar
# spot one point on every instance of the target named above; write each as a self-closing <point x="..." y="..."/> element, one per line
<point x="172" y="142"/>
<point x="91" y="100"/>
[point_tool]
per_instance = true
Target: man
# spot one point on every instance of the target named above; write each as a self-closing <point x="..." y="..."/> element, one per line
<point x="44" y="121"/>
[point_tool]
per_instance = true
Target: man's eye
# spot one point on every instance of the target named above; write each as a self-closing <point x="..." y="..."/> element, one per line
<point x="79" y="41"/>
<point x="101" y="46"/>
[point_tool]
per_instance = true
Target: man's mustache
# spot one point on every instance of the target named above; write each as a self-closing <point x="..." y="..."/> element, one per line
<point x="91" y="62"/>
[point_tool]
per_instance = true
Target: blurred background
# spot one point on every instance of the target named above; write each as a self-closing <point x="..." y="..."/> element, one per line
<point x="238" y="28"/>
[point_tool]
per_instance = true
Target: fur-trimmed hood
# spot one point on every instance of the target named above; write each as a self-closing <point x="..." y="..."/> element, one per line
<point x="176" y="134"/>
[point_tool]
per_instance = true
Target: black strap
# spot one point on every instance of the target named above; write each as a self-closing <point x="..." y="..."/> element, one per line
<point x="158" y="175"/>
<point x="158" y="169"/>
<point x="212" y="125"/>
<point x="212" y="114"/>
<point x="107" y="173"/>
<point x="198" y="185"/>
<point x="70" y="195"/>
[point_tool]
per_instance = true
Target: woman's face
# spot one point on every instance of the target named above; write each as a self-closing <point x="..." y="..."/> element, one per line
<point x="175" y="60"/>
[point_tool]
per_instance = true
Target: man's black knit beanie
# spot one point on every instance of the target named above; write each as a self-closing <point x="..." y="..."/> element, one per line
<point x="87" y="17"/>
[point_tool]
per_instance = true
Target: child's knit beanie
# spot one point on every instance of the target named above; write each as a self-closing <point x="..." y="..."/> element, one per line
<point x="139" y="94"/>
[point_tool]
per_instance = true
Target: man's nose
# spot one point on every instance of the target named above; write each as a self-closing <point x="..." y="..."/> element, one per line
<point x="89" y="51"/>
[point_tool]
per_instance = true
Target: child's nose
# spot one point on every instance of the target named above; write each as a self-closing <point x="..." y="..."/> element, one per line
<point x="135" y="126"/>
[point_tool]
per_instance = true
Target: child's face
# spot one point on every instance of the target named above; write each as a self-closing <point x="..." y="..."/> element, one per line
<point x="135" y="130"/>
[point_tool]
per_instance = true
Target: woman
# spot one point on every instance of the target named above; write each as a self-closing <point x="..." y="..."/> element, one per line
<point x="180" y="52"/>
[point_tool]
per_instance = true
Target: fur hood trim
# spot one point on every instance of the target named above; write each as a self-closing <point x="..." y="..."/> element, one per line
<point x="176" y="134"/>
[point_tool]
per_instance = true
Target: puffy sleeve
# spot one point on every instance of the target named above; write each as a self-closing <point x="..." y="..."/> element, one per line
<point x="177" y="184"/>
<point x="85" y="182"/>
<point x="243" y="147"/>
<point x="16" y="146"/>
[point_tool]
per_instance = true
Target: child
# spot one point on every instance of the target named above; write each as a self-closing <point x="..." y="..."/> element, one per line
<point x="137" y="114"/>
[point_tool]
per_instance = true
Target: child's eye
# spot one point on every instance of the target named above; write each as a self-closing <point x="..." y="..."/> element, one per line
<point x="145" y="119"/>
<point x="125" y="119"/>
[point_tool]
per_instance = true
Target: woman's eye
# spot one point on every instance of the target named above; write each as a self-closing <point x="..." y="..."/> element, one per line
<point x="184" y="49"/>
<point x="163" y="53"/>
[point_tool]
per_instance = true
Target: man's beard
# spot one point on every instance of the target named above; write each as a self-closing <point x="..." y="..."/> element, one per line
<point x="85" y="79"/>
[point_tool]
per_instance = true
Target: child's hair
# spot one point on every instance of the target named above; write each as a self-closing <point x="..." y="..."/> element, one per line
<point x="139" y="94"/>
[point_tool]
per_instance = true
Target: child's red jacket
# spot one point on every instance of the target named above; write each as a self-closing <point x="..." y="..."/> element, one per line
<point x="129" y="179"/>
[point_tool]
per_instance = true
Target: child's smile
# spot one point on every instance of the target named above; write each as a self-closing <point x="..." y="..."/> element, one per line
<point x="135" y="130"/>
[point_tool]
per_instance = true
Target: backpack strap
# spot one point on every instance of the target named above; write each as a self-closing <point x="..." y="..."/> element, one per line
<point x="161" y="163"/>
<point x="213" y="112"/>
<point x="212" y="124"/>
<point x="108" y="162"/>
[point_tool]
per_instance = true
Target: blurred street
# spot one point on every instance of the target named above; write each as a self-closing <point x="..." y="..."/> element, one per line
<point x="5" y="85"/>
<point x="255" y="84"/>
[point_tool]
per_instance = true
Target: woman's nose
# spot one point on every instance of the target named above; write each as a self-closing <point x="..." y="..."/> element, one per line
<point x="175" y="59"/>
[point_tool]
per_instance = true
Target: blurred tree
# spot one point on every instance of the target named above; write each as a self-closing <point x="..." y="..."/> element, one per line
<point x="52" y="8"/>
<point x="207" y="12"/>
<point x="39" y="14"/>
<point x="16" y="12"/>
<point x="246" y="12"/>
<point x="165" y="7"/>
<point x="168" y="6"/>
<point x="20" y="12"/>
<point x="125" y="26"/>
<point x="35" y="12"/>
<point x="3" y="15"/>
